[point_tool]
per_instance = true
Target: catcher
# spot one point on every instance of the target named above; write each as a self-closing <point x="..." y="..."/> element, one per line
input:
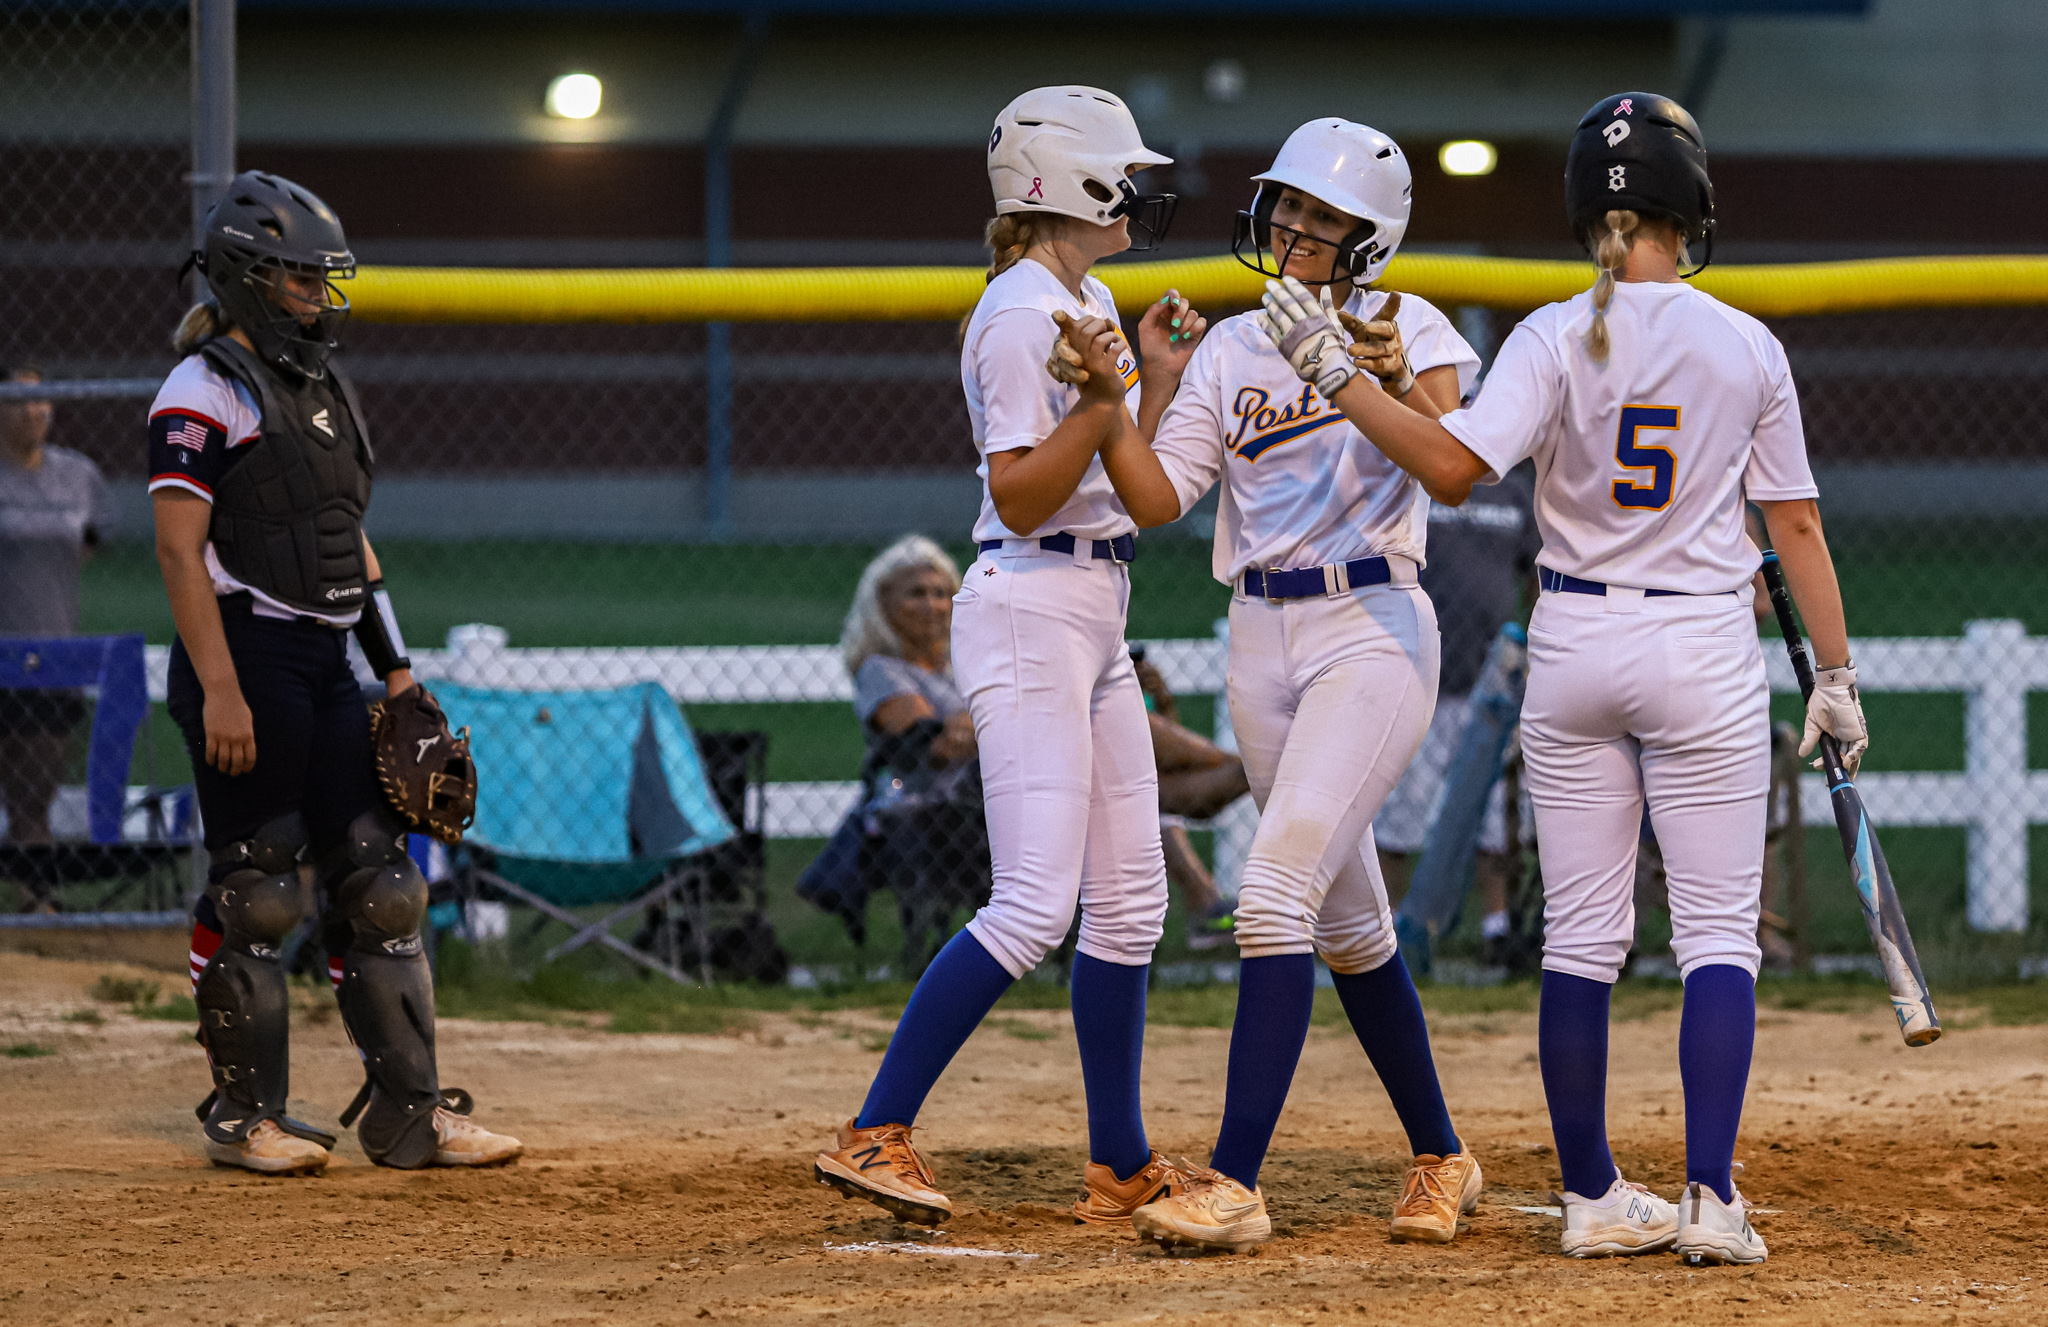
<point x="260" y="468"/>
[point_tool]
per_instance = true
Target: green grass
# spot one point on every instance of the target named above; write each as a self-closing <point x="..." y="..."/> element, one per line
<point x="1897" y="580"/>
<point x="25" y="1050"/>
<point x="143" y="997"/>
<point x="571" y="993"/>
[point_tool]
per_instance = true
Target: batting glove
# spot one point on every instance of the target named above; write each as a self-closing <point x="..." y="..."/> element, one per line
<point x="1376" y="347"/>
<point x="1308" y="334"/>
<point x="1835" y="708"/>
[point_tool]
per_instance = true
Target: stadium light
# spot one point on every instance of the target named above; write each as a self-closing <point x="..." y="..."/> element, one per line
<point x="1467" y="156"/>
<point x="574" y="96"/>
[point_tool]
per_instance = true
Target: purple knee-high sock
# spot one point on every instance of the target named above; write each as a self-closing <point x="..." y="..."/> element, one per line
<point x="1386" y="1015"/>
<point x="1571" y="1043"/>
<point x="1716" y="1035"/>
<point x="954" y="995"/>
<point x="1275" y="996"/>
<point x="1109" y="1026"/>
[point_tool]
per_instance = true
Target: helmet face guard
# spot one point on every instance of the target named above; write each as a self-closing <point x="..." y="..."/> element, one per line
<point x="263" y="229"/>
<point x="1149" y="215"/>
<point x="254" y="298"/>
<point x="1254" y="236"/>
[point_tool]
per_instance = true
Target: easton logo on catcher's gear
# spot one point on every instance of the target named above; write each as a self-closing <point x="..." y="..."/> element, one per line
<point x="437" y="797"/>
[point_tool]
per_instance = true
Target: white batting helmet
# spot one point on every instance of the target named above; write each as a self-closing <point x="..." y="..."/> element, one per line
<point x="1070" y="150"/>
<point x="1353" y="168"/>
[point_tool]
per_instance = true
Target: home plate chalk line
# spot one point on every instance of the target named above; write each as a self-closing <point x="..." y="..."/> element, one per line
<point x="930" y="1250"/>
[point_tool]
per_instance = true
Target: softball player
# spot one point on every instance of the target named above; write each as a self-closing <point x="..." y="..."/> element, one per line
<point x="260" y="472"/>
<point x="1333" y="666"/>
<point x="1038" y="651"/>
<point x="1652" y="411"/>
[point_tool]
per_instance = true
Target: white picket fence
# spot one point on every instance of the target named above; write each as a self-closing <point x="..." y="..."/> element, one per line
<point x="1994" y="664"/>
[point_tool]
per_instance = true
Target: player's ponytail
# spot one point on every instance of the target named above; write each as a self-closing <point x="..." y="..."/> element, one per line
<point x="1008" y="237"/>
<point x="202" y="323"/>
<point x="1612" y="255"/>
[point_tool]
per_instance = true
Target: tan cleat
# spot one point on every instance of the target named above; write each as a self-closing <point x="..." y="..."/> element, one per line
<point x="1109" y="1201"/>
<point x="269" y="1150"/>
<point x="1437" y="1191"/>
<point x="461" y="1141"/>
<point x="1212" y="1212"/>
<point x="880" y="1165"/>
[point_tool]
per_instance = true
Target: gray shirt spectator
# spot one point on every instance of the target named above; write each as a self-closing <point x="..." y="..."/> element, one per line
<point x="1480" y="556"/>
<point x="882" y="678"/>
<point x="50" y="512"/>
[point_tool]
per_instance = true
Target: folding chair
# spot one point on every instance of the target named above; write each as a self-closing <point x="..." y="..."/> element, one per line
<point x="586" y="797"/>
<point x="110" y="668"/>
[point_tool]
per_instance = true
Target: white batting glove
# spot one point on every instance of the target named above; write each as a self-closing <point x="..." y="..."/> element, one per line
<point x="1308" y="334"/>
<point x="1834" y="708"/>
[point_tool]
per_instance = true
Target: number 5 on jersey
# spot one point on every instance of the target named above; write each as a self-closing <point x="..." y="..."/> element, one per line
<point x="1662" y="465"/>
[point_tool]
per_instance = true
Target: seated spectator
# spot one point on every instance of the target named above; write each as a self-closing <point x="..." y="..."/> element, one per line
<point x="53" y="506"/>
<point x="919" y="829"/>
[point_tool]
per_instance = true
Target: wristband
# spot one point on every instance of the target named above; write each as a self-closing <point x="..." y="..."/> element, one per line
<point x="377" y="632"/>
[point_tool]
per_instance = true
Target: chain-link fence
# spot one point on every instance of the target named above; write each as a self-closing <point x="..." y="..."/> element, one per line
<point x="645" y="652"/>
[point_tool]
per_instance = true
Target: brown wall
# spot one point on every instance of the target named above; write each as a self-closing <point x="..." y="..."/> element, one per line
<point x="603" y="192"/>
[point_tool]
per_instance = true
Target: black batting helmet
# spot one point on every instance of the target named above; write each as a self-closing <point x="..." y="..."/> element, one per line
<point x="264" y="224"/>
<point x="1642" y="152"/>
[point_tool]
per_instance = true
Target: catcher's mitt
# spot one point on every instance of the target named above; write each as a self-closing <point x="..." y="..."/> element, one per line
<point x="1376" y="346"/>
<point x="426" y="770"/>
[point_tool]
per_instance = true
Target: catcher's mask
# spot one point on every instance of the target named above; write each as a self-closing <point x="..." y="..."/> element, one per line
<point x="1254" y="237"/>
<point x="263" y="228"/>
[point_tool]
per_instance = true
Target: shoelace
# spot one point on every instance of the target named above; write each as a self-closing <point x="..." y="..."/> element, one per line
<point x="1424" y="1184"/>
<point x="894" y="1140"/>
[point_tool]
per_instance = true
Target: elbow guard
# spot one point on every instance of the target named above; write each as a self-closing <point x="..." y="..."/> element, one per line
<point x="377" y="632"/>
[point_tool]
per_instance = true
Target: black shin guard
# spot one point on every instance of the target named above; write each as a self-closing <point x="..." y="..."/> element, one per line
<point x="244" y="1013"/>
<point x="387" y="993"/>
<point x="245" y="1023"/>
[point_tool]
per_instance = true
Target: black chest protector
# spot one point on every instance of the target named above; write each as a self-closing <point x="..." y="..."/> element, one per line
<point x="288" y="517"/>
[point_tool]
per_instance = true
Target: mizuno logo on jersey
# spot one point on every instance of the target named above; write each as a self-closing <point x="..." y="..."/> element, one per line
<point x="1261" y="425"/>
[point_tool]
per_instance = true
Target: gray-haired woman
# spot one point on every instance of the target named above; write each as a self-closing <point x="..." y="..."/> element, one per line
<point x="898" y="648"/>
<point x="919" y="829"/>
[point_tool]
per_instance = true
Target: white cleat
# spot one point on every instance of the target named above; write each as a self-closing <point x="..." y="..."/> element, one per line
<point x="461" y="1141"/>
<point x="269" y="1150"/>
<point x="1711" y="1231"/>
<point x="1627" y="1219"/>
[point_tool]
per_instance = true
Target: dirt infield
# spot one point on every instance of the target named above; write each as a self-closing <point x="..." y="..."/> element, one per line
<point x="668" y="1180"/>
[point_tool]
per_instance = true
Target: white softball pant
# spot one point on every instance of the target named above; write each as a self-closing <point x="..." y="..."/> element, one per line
<point x="1633" y="697"/>
<point x="1068" y="779"/>
<point x="1329" y="698"/>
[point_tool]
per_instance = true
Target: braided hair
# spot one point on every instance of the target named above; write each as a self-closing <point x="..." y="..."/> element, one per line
<point x="1612" y="255"/>
<point x="1008" y="237"/>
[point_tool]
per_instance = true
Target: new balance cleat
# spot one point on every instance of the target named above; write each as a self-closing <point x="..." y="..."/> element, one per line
<point x="881" y="1166"/>
<point x="1627" y="1219"/>
<point x="1712" y="1232"/>
<point x="1437" y="1191"/>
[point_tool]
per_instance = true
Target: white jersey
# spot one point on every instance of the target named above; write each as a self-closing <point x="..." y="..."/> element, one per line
<point x="200" y="425"/>
<point x="1643" y="463"/>
<point x="1013" y="402"/>
<point x="1302" y="486"/>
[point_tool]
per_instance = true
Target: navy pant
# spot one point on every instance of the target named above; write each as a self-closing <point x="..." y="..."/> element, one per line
<point x="312" y="730"/>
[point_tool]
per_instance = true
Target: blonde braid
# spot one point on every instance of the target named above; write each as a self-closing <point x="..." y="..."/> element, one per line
<point x="1612" y="256"/>
<point x="1007" y="237"/>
